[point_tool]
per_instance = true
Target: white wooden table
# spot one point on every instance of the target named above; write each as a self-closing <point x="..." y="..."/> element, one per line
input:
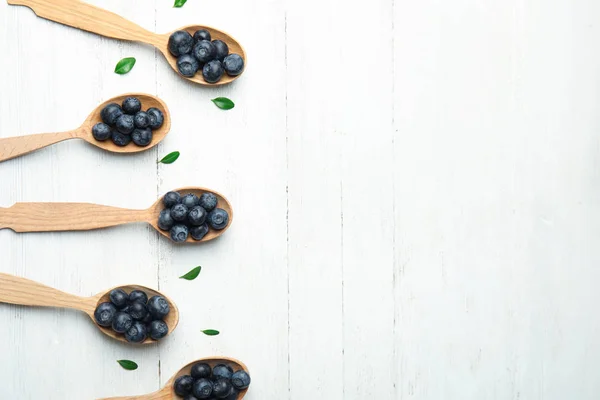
<point x="416" y="187"/>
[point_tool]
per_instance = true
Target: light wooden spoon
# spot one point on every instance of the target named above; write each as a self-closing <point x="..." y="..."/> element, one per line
<point x="102" y="22"/>
<point x="16" y="146"/>
<point x="168" y="392"/>
<point x="21" y="291"/>
<point x="56" y="217"/>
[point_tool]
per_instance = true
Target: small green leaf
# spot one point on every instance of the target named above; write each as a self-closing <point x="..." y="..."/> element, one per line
<point x="211" y="332"/>
<point x="170" y="158"/>
<point x="128" y="365"/>
<point x="193" y="274"/>
<point x="223" y="103"/>
<point x="179" y="3"/>
<point x="125" y="65"/>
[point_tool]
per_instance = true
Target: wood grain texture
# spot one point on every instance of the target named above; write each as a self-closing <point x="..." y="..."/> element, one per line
<point x="19" y="145"/>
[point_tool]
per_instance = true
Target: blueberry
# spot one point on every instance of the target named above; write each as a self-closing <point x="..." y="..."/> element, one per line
<point x="142" y="119"/>
<point x="221" y="388"/>
<point x="138" y="311"/>
<point x="165" y="221"/>
<point x="122" y="322"/>
<point x="120" y="139"/>
<point x="218" y="218"/>
<point x="158" y="307"/>
<point x="190" y="397"/>
<point x="158" y="329"/>
<point x="201" y="370"/>
<point x="138" y="295"/>
<point x="212" y="71"/>
<point x="233" y="64"/>
<point x="125" y="124"/>
<point x="180" y="42"/>
<point x="171" y="198"/>
<point x="105" y="314"/>
<point x="125" y="309"/>
<point x="202" y="389"/>
<point x="183" y="385"/>
<point x="240" y="380"/>
<point x="101" y="131"/>
<point x="233" y="394"/>
<point x="131" y="105"/>
<point x="198" y="232"/>
<point x="222" y="49"/>
<point x="137" y="333"/>
<point x="118" y="297"/>
<point x="208" y="201"/>
<point x="202" y="34"/>
<point x="142" y="136"/>
<point x="187" y="65"/>
<point x="179" y="233"/>
<point x="147" y="320"/>
<point x="110" y="113"/>
<point x="197" y="216"/>
<point x="190" y="200"/>
<point x="179" y="212"/>
<point x="222" y="371"/>
<point x="204" y="51"/>
<point x="156" y="118"/>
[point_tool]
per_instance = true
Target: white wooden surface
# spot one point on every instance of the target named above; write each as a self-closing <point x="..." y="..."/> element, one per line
<point x="416" y="187"/>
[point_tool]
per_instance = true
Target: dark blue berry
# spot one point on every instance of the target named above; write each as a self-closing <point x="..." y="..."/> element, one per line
<point x="208" y="201"/>
<point x="240" y="380"/>
<point x="120" y="139"/>
<point x="218" y="218"/>
<point x="165" y="221"/>
<point x="179" y="212"/>
<point x="131" y="105"/>
<point x="159" y="307"/>
<point x="190" y="397"/>
<point x="222" y="371"/>
<point x="204" y="51"/>
<point x="125" y="124"/>
<point x="197" y="216"/>
<point x="142" y="120"/>
<point x="122" y="322"/>
<point x="147" y="320"/>
<point x="138" y="295"/>
<point x="125" y="309"/>
<point x="190" y="200"/>
<point x="158" y="329"/>
<point x="156" y="118"/>
<point x="105" y="314"/>
<point x="142" y="136"/>
<point x="180" y="42"/>
<point x="202" y="389"/>
<point x="212" y="71"/>
<point x="221" y="48"/>
<point x="118" y="297"/>
<point x="101" y="131"/>
<point x="110" y="113"/>
<point x="233" y="64"/>
<point x="137" y="333"/>
<point x="201" y="370"/>
<point x="221" y="388"/>
<point x="179" y="233"/>
<point x="171" y="198"/>
<point x="183" y="385"/>
<point x="138" y="311"/>
<point x="198" y="232"/>
<point x="202" y="34"/>
<point x="187" y="65"/>
<point x="233" y="394"/>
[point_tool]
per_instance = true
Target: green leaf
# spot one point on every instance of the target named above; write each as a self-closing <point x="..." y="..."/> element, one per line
<point x="170" y="158"/>
<point x="193" y="274"/>
<point x="125" y="65"/>
<point x="128" y="365"/>
<point x="211" y="332"/>
<point x="179" y="3"/>
<point x="223" y="103"/>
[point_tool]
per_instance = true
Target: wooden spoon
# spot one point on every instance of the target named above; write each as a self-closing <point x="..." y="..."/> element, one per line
<point x="16" y="146"/>
<point x="56" y="217"/>
<point x="21" y="291"/>
<point x="102" y="22"/>
<point x="168" y="392"/>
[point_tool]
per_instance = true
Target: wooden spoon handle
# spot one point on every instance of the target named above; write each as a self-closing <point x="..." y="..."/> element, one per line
<point x="21" y="291"/>
<point x="52" y="217"/>
<point x="87" y="17"/>
<point x="163" y="394"/>
<point x="17" y="146"/>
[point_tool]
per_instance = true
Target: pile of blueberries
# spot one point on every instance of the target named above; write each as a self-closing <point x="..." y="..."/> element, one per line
<point x="219" y="383"/>
<point x="198" y="52"/>
<point x="191" y="215"/>
<point x="134" y="315"/>
<point x="127" y="122"/>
